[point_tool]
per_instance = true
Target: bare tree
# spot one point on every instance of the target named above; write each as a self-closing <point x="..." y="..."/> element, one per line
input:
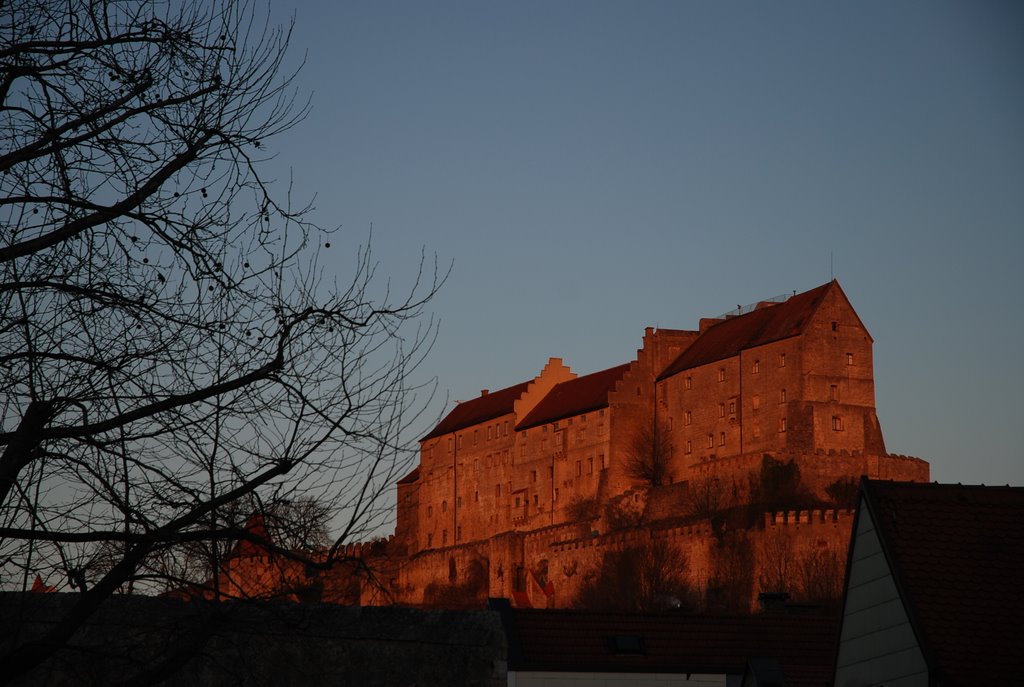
<point x="649" y="576"/>
<point x="821" y="571"/>
<point x="649" y="454"/>
<point x="172" y="347"/>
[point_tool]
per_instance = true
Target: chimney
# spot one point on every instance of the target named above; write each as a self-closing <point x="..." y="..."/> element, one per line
<point x="484" y="392"/>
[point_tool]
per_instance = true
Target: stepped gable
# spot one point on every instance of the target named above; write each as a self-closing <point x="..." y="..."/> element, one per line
<point x="761" y="326"/>
<point x="566" y="640"/>
<point x="576" y="396"/>
<point x="481" y="409"/>
<point x="957" y="554"/>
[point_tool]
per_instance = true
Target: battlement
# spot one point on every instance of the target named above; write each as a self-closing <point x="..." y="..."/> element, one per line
<point x="808" y="518"/>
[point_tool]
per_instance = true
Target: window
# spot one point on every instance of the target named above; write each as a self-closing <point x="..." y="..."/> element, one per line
<point x="535" y="499"/>
<point x="458" y="535"/>
<point x="458" y="502"/>
<point x="757" y="429"/>
<point x="711" y="441"/>
<point x="476" y="464"/>
<point x="430" y="540"/>
<point x="849" y="358"/>
<point x="522" y="451"/>
<point x="721" y="410"/>
<point x="556" y="493"/>
<point x="721" y="438"/>
<point x="835" y="325"/>
<point x="755" y="402"/>
<point x="476" y="497"/>
<point x="449" y="444"/>
<point x="497" y="491"/>
<point x="688" y="383"/>
<point x="533" y="475"/>
<point x="833" y="392"/>
<point x="689" y="446"/>
<point x="687" y="418"/>
<point x="837" y="423"/>
<point x="782" y="395"/>
<point x="782" y="424"/>
<point x="579" y="468"/>
<point x="581" y="435"/>
<point x="590" y="465"/>
<point x="721" y="374"/>
<point x="600" y="459"/>
<point x="444" y="537"/>
<point x="671" y="423"/>
<point x="732" y="407"/>
<point x="459" y="443"/>
<point x="756" y="368"/>
<point x="782" y="359"/>
<point x="476" y="437"/>
<point x="430" y="511"/>
<point x="444" y="506"/>
<point x="490" y="430"/>
<point x="519" y="501"/>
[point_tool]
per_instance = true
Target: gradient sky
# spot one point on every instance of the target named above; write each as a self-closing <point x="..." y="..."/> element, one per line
<point x="594" y="168"/>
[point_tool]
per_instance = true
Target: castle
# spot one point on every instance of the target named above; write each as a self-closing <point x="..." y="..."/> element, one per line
<point x="731" y="446"/>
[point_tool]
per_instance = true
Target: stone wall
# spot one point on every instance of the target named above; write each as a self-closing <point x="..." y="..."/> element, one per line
<point x="178" y="643"/>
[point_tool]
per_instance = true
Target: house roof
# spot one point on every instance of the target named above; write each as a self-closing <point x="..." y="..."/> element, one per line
<point x="575" y="396"/>
<point x="756" y="328"/>
<point x="957" y="555"/>
<point x="585" y="641"/>
<point x="480" y="409"/>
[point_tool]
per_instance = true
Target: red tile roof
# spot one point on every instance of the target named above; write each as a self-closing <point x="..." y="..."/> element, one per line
<point x="582" y="641"/>
<point x="957" y="554"/>
<point x="575" y="396"/>
<point x="411" y="477"/>
<point x="480" y="409"/>
<point x="756" y="328"/>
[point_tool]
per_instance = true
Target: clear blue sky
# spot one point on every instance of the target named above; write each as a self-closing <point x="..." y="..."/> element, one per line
<point x="595" y="168"/>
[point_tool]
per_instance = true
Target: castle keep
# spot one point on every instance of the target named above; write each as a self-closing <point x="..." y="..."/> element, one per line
<point x="508" y="496"/>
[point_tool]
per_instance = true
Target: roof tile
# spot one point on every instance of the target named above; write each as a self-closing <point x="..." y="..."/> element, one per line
<point x="756" y="328"/>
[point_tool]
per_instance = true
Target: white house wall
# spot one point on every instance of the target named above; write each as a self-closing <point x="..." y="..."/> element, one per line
<point x="533" y="678"/>
<point x="877" y="643"/>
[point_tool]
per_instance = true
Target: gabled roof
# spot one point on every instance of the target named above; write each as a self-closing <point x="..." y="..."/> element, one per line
<point x="575" y="396"/>
<point x="756" y="328"/>
<point x="480" y="409"/>
<point x="585" y="641"/>
<point x="957" y="555"/>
